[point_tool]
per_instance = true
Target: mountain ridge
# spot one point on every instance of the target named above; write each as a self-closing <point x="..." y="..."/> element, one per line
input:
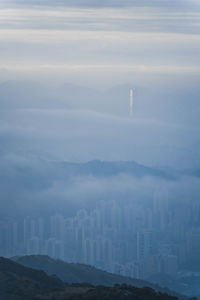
<point x="18" y="282"/>
<point x="80" y="273"/>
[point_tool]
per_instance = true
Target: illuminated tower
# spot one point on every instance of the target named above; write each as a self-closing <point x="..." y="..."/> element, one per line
<point x="131" y="103"/>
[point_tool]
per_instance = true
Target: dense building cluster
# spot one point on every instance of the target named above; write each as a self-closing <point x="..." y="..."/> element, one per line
<point x="133" y="238"/>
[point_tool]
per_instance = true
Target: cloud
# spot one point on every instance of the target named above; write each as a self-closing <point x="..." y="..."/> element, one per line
<point x="81" y="136"/>
<point x="90" y="43"/>
<point x="40" y="187"/>
<point x="131" y="19"/>
<point x="108" y="3"/>
<point x="72" y="40"/>
<point x="150" y="45"/>
<point x="109" y="56"/>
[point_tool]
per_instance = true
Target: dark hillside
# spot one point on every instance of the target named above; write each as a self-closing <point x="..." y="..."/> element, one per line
<point x="19" y="283"/>
<point x="79" y="273"/>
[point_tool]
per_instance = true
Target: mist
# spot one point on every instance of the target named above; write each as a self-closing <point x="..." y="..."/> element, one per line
<point x="82" y="180"/>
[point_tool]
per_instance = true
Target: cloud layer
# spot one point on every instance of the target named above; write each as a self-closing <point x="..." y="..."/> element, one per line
<point x="82" y="136"/>
<point x="94" y="43"/>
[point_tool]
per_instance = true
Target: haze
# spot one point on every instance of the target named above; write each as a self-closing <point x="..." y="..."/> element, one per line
<point x="67" y="141"/>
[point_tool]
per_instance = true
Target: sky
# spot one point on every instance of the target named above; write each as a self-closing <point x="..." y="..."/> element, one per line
<point x="101" y="43"/>
<point x="102" y="49"/>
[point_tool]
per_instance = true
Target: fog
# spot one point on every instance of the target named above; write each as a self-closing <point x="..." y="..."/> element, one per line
<point x="80" y="179"/>
<point x="39" y="188"/>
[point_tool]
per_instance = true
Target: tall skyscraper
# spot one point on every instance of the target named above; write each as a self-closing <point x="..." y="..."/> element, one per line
<point x="131" y="103"/>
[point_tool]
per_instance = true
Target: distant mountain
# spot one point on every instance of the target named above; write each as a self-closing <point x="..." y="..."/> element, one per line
<point x="18" y="282"/>
<point x="36" y="177"/>
<point x="105" y="168"/>
<point x="80" y="273"/>
<point x="45" y="173"/>
<point x="22" y="94"/>
<point x="113" y="101"/>
<point x="27" y="95"/>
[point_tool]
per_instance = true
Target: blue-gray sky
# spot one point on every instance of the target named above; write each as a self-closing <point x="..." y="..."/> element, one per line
<point x="103" y="43"/>
<point x="151" y="45"/>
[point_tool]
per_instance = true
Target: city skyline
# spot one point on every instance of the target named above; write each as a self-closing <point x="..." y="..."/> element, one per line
<point x="99" y="135"/>
<point x="131" y="239"/>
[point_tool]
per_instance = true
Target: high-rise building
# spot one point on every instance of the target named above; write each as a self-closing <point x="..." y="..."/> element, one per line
<point x="131" y="103"/>
<point x="144" y="245"/>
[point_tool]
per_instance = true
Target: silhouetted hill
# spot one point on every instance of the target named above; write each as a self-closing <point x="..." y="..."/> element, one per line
<point x="23" y="283"/>
<point x="120" y="292"/>
<point x="74" y="272"/>
<point x="79" y="273"/>
<point x="19" y="283"/>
